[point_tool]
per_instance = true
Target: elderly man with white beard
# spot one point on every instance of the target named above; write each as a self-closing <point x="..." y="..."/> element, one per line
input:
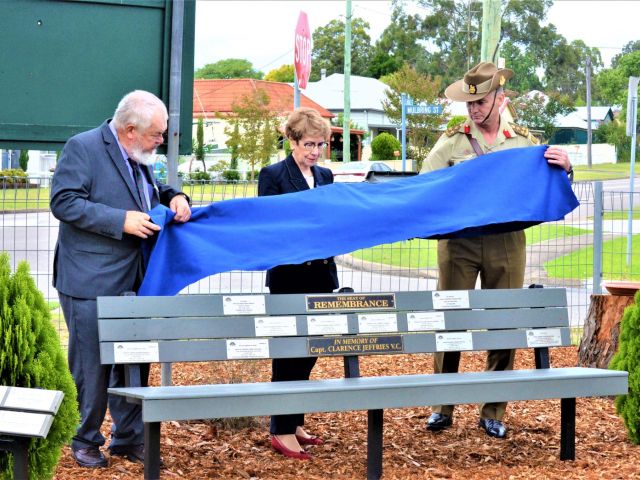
<point x="101" y="191"/>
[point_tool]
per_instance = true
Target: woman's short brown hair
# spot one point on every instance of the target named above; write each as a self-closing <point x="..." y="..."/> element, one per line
<point x="306" y="121"/>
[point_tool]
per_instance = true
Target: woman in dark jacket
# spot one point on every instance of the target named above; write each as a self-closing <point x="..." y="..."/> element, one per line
<point x="308" y="134"/>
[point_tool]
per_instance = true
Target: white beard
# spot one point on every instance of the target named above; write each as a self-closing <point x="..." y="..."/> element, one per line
<point x="142" y="157"/>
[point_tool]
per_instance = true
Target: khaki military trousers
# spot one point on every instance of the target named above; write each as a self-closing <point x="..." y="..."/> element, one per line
<point x="500" y="261"/>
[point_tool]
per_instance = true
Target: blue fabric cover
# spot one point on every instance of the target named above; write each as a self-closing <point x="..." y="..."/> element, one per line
<point x="498" y="192"/>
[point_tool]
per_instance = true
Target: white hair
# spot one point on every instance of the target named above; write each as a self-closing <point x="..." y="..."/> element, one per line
<point x="137" y="108"/>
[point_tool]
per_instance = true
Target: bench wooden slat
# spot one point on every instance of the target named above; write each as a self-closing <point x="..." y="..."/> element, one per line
<point x="139" y="329"/>
<point x="290" y="304"/>
<point x="292" y="347"/>
<point x="332" y="395"/>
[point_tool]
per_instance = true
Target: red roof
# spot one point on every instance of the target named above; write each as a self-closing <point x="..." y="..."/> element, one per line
<point x="212" y="97"/>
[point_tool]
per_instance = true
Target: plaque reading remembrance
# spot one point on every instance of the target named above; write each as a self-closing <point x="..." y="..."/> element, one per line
<point x="365" y="301"/>
<point x="355" y="345"/>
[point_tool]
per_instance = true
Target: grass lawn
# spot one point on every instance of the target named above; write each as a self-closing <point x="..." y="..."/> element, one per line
<point x="24" y="198"/>
<point x="605" y="171"/>
<point x="620" y="215"/>
<point x="419" y="253"/>
<point x="579" y="264"/>
<point x="206" y="193"/>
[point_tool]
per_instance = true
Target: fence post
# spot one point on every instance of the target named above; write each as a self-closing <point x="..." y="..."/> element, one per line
<point x="598" y="214"/>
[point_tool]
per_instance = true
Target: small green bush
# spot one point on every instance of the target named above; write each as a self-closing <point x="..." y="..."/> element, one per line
<point x="199" y="176"/>
<point x="14" y="176"/>
<point x="384" y="146"/>
<point x="23" y="160"/>
<point x="627" y="358"/>
<point x="31" y="357"/>
<point x="231" y="175"/>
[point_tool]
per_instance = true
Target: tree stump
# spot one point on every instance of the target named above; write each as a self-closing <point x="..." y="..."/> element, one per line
<point x="601" y="329"/>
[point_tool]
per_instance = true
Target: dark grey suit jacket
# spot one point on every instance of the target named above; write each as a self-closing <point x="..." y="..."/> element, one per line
<point x="91" y="192"/>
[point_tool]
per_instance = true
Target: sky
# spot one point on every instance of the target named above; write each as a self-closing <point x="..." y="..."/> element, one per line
<point x="263" y="31"/>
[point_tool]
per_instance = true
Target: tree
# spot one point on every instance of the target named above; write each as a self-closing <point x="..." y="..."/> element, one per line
<point x="398" y="44"/>
<point x="284" y="73"/>
<point x="199" y="150"/>
<point x="538" y="112"/>
<point x="228" y="68"/>
<point x="422" y="130"/>
<point x="384" y="146"/>
<point x="613" y="83"/>
<point x="630" y="47"/>
<point x="31" y="357"/>
<point x="23" y="160"/>
<point x="328" y="48"/>
<point x="615" y="133"/>
<point x="258" y="123"/>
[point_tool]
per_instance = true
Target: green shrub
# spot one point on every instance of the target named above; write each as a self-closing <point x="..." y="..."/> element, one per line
<point x="14" y="176"/>
<point x="231" y="175"/>
<point x="31" y="357"/>
<point x="199" y="176"/>
<point x="627" y="358"/>
<point x="456" y="120"/>
<point x="384" y="146"/>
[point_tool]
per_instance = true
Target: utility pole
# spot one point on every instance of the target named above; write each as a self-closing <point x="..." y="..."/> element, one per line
<point x="491" y="23"/>
<point x="346" y="116"/>
<point x="589" y="131"/>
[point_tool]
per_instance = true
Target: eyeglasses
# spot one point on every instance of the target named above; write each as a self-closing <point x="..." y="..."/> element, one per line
<point x="310" y="146"/>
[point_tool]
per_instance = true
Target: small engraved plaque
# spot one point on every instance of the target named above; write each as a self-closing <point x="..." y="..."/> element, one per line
<point x="136" y="352"/>
<point x="544" y="337"/>
<point x="457" y="341"/>
<point x="30" y="399"/>
<point x="351" y="302"/>
<point x="327" y="324"/>
<point x="23" y="423"/>
<point x="275" y="326"/>
<point x="244" y="348"/>
<point x="243" y="305"/>
<point x="421" y="321"/>
<point x="377" y="322"/>
<point x="450" y="299"/>
<point x="356" y="345"/>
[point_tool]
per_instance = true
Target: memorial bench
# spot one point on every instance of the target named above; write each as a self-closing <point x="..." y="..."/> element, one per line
<point x="194" y="328"/>
<point x="25" y="413"/>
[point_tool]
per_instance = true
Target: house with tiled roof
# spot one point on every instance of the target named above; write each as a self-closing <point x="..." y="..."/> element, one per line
<point x="213" y="101"/>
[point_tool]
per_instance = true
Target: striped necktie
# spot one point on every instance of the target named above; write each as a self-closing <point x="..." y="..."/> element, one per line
<point x="137" y="177"/>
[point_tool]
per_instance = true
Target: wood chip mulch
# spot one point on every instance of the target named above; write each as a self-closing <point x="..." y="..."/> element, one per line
<point x="240" y="448"/>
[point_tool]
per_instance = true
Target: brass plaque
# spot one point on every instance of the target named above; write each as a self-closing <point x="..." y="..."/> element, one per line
<point x="351" y="302"/>
<point x="355" y="345"/>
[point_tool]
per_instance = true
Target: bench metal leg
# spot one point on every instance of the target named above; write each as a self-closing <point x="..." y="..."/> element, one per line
<point x="374" y="444"/>
<point x="152" y="451"/>
<point x="19" y="447"/>
<point x="567" y="429"/>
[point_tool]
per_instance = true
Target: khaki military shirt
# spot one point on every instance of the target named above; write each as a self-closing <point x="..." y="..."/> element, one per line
<point x="454" y="147"/>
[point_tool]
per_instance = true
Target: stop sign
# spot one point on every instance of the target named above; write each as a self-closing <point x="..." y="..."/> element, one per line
<point x="302" y="50"/>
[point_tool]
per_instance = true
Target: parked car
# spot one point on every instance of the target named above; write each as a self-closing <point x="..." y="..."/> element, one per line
<point x="358" y="171"/>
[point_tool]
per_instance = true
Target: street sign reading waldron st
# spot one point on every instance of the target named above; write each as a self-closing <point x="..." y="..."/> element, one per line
<point x="64" y="65"/>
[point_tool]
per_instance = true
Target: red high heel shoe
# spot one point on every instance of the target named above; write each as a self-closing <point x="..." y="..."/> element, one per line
<point x="312" y="440"/>
<point x="278" y="446"/>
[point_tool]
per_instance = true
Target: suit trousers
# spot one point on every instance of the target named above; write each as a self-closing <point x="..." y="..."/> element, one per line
<point x="500" y="261"/>
<point x="92" y="380"/>
<point x="284" y="369"/>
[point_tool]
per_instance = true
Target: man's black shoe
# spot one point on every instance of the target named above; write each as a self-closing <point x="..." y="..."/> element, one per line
<point x="437" y="422"/>
<point x="133" y="453"/>
<point x="90" y="457"/>
<point x="494" y="428"/>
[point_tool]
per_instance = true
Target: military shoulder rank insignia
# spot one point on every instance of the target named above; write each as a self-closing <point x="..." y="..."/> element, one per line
<point x="450" y="132"/>
<point x="522" y="131"/>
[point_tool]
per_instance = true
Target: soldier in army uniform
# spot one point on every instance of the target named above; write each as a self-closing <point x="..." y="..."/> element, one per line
<point x="499" y="258"/>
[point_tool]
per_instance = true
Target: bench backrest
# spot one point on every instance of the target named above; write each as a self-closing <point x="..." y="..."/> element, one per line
<point x="28" y="412"/>
<point x="236" y="326"/>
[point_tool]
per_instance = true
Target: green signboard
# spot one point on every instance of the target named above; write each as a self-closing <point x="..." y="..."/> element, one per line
<point x="64" y="65"/>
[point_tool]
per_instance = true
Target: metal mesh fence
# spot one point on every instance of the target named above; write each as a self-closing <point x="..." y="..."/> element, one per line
<point x="558" y="254"/>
